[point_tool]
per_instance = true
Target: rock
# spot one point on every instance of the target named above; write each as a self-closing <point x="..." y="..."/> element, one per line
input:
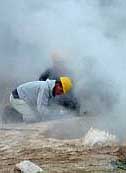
<point x="27" y="166"/>
<point x="99" y="137"/>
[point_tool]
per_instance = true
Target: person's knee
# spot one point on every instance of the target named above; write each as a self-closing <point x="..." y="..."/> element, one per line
<point x="11" y="115"/>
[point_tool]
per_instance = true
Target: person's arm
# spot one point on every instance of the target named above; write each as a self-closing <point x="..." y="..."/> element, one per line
<point x="42" y="101"/>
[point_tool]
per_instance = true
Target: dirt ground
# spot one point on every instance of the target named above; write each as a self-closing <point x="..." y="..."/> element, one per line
<point x="33" y="142"/>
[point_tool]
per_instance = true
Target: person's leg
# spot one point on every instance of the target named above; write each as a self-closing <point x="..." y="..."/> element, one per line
<point x="22" y="107"/>
<point x="69" y="101"/>
<point x="11" y="115"/>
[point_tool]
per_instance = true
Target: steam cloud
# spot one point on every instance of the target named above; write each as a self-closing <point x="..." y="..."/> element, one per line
<point x="90" y="33"/>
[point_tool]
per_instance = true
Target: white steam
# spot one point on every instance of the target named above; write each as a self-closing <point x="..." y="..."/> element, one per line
<point x="90" y="33"/>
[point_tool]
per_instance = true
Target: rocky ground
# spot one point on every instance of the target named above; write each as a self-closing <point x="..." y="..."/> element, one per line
<point x="56" y="152"/>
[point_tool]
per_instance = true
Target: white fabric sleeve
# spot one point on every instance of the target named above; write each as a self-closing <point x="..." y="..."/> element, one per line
<point x="43" y="101"/>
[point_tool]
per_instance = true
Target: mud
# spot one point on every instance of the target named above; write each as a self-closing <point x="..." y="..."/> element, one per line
<point x="33" y="142"/>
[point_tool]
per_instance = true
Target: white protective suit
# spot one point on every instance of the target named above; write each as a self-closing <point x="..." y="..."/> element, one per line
<point x="33" y="97"/>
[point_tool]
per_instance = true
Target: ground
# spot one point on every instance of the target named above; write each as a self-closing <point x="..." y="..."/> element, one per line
<point x="54" y="153"/>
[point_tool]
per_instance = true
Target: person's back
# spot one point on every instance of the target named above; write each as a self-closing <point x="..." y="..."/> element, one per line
<point x="29" y="91"/>
<point x="55" y="71"/>
<point x="51" y="73"/>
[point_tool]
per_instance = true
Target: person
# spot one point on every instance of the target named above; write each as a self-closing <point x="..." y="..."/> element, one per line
<point x="31" y="99"/>
<point x="57" y="69"/>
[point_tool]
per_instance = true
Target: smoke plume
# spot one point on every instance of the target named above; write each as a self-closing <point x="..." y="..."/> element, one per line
<point x="91" y="36"/>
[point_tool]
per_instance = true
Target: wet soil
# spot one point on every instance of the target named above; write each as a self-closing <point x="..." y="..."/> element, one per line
<point x="33" y="142"/>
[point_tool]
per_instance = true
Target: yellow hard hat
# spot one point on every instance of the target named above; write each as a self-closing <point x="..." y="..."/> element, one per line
<point x="66" y="83"/>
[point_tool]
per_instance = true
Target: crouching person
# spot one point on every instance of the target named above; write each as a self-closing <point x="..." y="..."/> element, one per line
<point x="32" y="99"/>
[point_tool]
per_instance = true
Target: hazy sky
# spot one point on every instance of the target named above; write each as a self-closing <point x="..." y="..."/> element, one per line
<point x="30" y="30"/>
